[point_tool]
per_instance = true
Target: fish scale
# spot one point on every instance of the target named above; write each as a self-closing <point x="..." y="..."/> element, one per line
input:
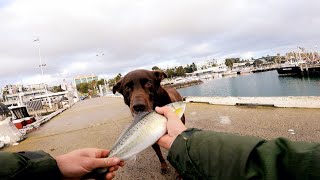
<point x="124" y="147"/>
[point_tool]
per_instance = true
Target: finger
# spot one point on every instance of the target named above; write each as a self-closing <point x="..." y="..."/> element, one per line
<point x="93" y="152"/>
<point x="110" y="175"/>
<point x="122" y="163"/>
<point x="114" y="168"/>
<point x="102" y="153"/>
<point x="159" y="110"/>
<point x="103" y="162"/>
<point x="111" y="161"/>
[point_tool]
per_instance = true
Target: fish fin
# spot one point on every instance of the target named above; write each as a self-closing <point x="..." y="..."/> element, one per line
<point x="133" y="159"/>
<point x="179" y="112"/>
<point x="178" y="107"/>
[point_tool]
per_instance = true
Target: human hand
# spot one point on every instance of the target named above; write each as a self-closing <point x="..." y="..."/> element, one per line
<point x="76" y="164"/>
<point x="174" y="127"/>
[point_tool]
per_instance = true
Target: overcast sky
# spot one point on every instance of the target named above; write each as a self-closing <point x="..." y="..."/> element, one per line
<point x="144" y="33"/>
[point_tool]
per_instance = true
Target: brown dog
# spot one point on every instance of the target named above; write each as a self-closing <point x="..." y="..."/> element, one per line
<point x="142" y="91"/>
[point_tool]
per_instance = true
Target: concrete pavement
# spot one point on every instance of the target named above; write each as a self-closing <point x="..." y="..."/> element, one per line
<point x="98" y="122"/>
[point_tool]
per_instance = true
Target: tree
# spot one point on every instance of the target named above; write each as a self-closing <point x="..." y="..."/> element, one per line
<point x="170" y="73"/>
<point x="257" y="62"/>
<point x="57" y="89"/>
<point x="93" y="85"/>
<point x="229" y="62"/>
<point x="83" y="87"/>
<point x="190" y="68"/>
<point x="278" y="58"/>
<point x="155" y="68"/>
<point x="180" y="71"/>
<point x="100" y="82"/>
<point x="194" y="67"/>
<point x="247" y="64"/>
<point x="111" y="82"/>
<point x="118" y="77"/>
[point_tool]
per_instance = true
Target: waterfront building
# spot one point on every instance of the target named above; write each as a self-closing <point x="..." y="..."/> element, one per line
<point x="85" y="79"/>
<point x="207" y="64"/>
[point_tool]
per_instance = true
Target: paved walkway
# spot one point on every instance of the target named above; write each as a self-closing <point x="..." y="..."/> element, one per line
<point x="98" y="122"/>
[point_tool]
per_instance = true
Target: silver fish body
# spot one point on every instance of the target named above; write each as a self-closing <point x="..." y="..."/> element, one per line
<point x="145" y="131"/>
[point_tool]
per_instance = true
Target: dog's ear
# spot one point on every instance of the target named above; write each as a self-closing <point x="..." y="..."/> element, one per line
<point x="117" y="87"/>
<point x="160" y="75"/>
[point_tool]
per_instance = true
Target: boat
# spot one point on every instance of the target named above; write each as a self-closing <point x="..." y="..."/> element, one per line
<point x="290" y="68"/>
<point x="21" y="118"/>
<point x="244" y="71"/>
<point x="9" y="133"/>
<point x="229" y="73"/>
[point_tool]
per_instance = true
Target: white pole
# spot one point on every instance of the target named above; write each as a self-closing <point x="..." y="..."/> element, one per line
<point x="40" y="57"/>
<point x="105" y="86"/>
<point x="41" y="65"/>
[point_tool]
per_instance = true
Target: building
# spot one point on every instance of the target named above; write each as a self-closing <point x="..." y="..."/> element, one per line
<point x="85" y="79"/>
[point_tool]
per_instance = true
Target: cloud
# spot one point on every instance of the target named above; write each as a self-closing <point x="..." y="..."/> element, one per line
<point x="142" y="34"/>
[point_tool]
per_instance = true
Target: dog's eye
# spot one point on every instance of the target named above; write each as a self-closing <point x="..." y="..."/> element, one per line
<point x="149" y="84"/>
<point x="127" y="89"/>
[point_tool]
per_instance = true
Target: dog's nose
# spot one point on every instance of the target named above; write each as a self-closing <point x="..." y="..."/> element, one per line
<point x="139" y="107"/>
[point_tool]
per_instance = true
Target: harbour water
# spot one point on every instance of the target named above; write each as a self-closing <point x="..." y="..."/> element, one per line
<point x="256" y="84"/>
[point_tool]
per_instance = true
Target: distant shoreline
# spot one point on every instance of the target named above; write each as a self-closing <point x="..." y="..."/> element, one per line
<point x="183" y="84"/>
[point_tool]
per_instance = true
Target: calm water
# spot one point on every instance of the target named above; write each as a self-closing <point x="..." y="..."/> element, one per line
<point x="256" y="84"/>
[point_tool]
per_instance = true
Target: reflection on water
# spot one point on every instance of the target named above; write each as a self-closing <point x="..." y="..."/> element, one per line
<point x="256" y="84"/>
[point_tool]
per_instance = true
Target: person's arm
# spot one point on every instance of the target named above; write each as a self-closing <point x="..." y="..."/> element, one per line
<point x="200" y="154"/>
<point x="40" y="165"/>
<point x="28" y="165"/>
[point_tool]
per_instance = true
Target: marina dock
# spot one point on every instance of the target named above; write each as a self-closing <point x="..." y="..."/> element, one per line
<point x="310" y="70"/>
<point x="98" y="122"/>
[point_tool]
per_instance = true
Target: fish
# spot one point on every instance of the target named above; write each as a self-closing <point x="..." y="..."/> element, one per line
<point x="145" y="130"/>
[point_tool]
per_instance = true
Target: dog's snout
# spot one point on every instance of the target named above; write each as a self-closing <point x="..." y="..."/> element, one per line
<point x="139" y="107"/>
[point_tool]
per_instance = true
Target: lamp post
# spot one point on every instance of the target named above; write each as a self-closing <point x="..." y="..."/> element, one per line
<point x="105" y="83"/>
<point x="41" y="67"/>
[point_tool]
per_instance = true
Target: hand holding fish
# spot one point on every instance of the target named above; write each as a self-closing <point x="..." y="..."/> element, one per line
<point x="174" y="127"/>
<point x="77" y="163"/>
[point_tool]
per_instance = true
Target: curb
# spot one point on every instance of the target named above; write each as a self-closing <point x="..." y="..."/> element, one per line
<point x="282" y="102"/>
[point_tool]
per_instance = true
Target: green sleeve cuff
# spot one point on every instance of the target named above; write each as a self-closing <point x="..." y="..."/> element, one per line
<point x="179" y="156"/>
<point x="29" y="165"/>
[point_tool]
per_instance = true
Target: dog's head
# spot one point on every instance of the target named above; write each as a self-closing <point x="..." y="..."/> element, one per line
<point x="140" y="89"/>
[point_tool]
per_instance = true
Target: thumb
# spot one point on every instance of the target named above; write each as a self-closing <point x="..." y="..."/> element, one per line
<point x="105" y="162"/>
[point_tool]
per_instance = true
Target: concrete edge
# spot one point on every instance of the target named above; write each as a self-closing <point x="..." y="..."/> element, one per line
<point x="282" y="102"/>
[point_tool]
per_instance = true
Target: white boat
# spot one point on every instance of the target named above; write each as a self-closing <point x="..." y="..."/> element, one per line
<point x="9" y="133"/>
<point x="229" y="73"/>
<point x="245" y="71"/>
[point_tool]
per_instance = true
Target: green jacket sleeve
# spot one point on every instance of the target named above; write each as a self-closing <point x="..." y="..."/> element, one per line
<point x="28" y="165"/>
<point x="200" y="154"/>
